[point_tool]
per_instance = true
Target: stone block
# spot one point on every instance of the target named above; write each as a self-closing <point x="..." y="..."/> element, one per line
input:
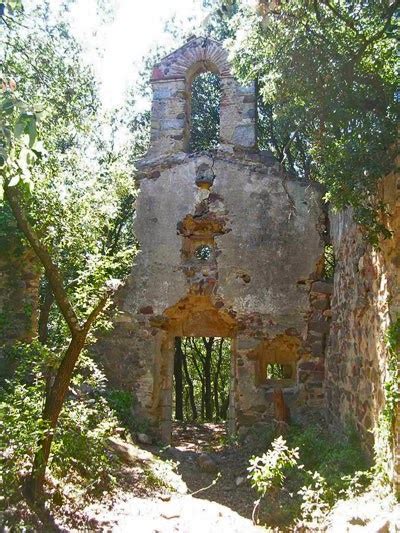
<point x="323" y="287"/>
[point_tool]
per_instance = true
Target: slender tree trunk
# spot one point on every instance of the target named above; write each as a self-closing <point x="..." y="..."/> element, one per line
<point x="44" y="314"/>
<point x="208" y="344"/>
<point x="216" y="380"/>
<point x="57" y="391"/>
<point x="189" y="381"/>
<point x="51" y="413"/>
<point x="200" y="372"/>
<point x="178" y="376"/>
<point x="224" y="407"/>
<point x="203" y="402"/>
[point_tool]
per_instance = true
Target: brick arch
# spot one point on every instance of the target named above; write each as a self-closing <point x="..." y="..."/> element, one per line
<point x="198" y="55"/>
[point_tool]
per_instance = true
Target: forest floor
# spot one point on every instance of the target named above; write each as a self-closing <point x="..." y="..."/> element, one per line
<point x="219" y="500"/>
<point x="172" y="490"/>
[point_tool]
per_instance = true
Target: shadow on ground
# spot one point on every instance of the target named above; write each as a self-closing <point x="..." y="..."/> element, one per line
<point x="231" y="488"/>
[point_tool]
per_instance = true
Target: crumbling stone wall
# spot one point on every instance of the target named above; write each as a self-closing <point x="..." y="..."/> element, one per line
<point x="366" y="300"/>
<point x="19" y="292"/>
<point x="258" y="282"/>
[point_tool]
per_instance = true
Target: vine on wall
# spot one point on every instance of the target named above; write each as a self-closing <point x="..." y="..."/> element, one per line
<point x="385" y="430"/>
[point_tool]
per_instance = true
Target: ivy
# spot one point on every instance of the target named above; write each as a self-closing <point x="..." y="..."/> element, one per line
<point x="385" y="428"/>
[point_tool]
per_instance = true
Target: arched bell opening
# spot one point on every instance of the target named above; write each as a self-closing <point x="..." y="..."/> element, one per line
<point x="203" y="108"/>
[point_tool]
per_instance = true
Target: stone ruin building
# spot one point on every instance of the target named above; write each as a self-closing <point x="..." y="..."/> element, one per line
<point x="231" y="246"/>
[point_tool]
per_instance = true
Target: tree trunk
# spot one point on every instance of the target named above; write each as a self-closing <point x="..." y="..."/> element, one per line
<point x="224" y="408"/>
<point x="57" y="391"/>
<point x="208" y="344"/>
<point x="51" y="412"/>
<point x="190" y="386"/>
<point x="216" y="380"/>
<point x="178" y="376"/>
<point x="44" y="314"/>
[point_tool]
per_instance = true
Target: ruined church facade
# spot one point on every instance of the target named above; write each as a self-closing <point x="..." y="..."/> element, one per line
<point x="230" y="246"/>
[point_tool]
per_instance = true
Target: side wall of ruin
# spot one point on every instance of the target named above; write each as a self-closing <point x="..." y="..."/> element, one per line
<point x="366" y="300"/>
<point x="19" y="294"/>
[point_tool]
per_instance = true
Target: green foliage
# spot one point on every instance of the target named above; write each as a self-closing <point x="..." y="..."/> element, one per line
<point x="329" y="262"/>
<point x="9" y="7"/>
<point x="314" y="506"/>
<point x="79" y="448"/>
<point x="205" y="108"/>
<point x="18" y="131"/>
<point x="21" y="427"/>
<point x="385" y="428"/>
<point x="78" y="455"/>
<point x="275" y="371"/>
<point x="200" y="364"/>
<point x="326" y="76"/>
<point x="122" y="403"/>
<point x="268" y="471"/>
<point x="79" y="172"/>
<point x="300" y="478"/>
<point x="392" y="391"/>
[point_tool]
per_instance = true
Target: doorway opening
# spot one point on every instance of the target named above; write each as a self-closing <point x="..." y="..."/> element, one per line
<point x="202" y="379"/>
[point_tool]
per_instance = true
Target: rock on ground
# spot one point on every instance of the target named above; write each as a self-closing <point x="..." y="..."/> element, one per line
<point x="369" y="513"/>
<point x="207" y="464"/>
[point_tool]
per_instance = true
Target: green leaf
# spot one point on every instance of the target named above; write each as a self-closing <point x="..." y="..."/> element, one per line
<point x="39" y="148"/>
<point x="32" y="131"/>
<point x="20" y="126"/>
<point x="3" y="156"/>
<point x="14" y="181"/>
<point x="7" y="106"/>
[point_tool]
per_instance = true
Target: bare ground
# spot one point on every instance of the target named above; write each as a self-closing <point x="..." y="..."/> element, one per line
<point x="217" y="503"/>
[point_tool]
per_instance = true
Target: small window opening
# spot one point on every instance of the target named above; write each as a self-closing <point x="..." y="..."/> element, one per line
<point x="205" y="112"/>
<point x="203" y="252"/>
<point x="277" y="371"/>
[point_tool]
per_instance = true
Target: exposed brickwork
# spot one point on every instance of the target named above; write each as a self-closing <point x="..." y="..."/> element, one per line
<point x="171" y="83"/>
<point x="199" y="54"/>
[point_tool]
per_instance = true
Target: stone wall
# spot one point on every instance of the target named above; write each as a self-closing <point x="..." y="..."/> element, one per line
<point x="19" y="292"/>
<point x="259" y="284"/>
<point x="365" y="302"/>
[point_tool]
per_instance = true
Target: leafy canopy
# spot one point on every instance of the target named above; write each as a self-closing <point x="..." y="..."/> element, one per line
<point x="326" y="76"/>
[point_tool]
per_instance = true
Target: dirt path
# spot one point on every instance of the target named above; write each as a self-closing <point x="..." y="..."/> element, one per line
<point x="183" y="514"/>
<point x="232" y="488"/>
<point x="223" y="506"/>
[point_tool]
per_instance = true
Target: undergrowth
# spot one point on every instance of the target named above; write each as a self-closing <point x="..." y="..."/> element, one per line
<point x="384" y="433"/>
<point x="304" y="473"/>
<point x="79" y="460"/>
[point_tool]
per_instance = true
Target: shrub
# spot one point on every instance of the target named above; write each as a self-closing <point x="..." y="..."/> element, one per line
<point x="268" y="470"/>
<point x="304" y="475"/>
<point x="78" y="451"/>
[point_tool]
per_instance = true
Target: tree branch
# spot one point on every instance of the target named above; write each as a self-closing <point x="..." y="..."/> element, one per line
<point x="391" y="11"/>
<point x="347" y="20"/>
<point x="96" y="311"/>
<point x="52" y="273"/>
